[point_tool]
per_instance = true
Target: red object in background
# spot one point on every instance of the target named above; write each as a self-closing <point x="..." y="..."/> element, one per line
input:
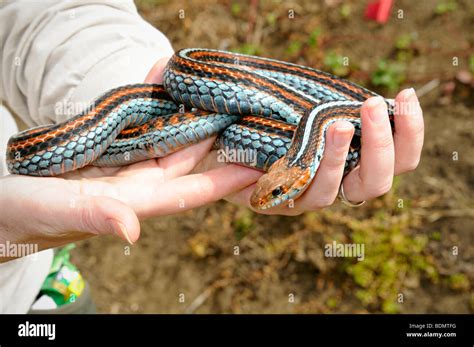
<point x="379" y="10"/>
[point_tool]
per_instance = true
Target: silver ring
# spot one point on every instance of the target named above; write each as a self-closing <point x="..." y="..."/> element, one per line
<point x="346" y="201"/>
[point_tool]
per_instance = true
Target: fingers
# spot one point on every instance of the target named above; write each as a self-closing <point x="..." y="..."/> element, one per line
<point x="374" y="176"/>
<point x="102" y="215"/>
<point x="325" y="188"/>
<point x="149" y="198"/>
<point x="55" y="211"/>
<point x="156" y="73"/>
<point x="242" y="196"/>
<point x="409" y="131"/>
<point x="158" y="191"/>
<point x="160" y="169"/>
<point x="169" y="167"/>
<point x="184" y="161"/>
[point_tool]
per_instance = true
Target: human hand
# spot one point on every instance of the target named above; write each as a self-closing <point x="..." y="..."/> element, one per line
<point x="91" y="201"/>
<point x="52" y="211"/>
<point x="383" y="156"/>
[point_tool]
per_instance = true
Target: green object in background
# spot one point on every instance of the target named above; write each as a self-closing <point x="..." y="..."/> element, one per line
<point x="335" y="63"/>
<point x="64" y="282"/>
<point x="445" y="7"/>
<point x="389" y="75"/>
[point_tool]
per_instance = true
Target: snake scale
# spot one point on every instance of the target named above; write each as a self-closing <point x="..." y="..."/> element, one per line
<point x="276" y="110"/>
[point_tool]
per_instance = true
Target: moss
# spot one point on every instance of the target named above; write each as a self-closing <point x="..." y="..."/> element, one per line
<point x="332" y="302"/>
<point x="395" y="256"/>
<point x="314" y="37"/>
<point x="459" y="281"/>
<point x="243" y="223"/>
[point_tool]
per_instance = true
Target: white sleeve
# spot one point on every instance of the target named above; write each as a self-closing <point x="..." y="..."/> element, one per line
<point x="57" y="56"/>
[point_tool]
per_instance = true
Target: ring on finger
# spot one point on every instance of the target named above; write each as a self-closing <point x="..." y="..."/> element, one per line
<point x="345" y="200"/>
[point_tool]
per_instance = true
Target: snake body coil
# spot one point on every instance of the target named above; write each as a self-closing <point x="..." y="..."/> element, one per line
<point x="279" y="111"/>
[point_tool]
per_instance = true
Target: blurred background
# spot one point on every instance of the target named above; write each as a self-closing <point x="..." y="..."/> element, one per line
<point x="418" y="241"/>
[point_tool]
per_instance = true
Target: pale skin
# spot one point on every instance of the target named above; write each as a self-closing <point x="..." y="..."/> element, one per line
<point x="95" y="201"/>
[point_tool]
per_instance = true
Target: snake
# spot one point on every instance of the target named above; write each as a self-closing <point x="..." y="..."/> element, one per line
<point x="277" y="111"/>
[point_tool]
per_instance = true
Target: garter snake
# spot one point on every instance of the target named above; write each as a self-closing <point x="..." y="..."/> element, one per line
<point x="277" y="109"/>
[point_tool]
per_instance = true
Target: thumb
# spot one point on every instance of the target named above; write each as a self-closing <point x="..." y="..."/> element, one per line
<point x="102" y="215"/>
<point x="155" y="75"/>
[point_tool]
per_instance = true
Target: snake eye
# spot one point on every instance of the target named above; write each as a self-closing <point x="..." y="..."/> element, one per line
<point x="277" y="191"/>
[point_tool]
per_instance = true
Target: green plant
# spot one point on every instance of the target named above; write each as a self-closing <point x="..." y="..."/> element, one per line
<point x="236" y="8"/>
<point x="247" y="48"/>
<point x="314" y="37"/>
<point x="335" y="64"/>
<point x="471" y="63"/>
<point x="345" y="10"/>
<point x="445" y="7"/>
<point x="403" y="41"/>
<point x="332" y="302"/>
<point x="294" y="48"/>
<point x="389" y="75"/>
<point x="395" y="257"/>
<point x="243" y="223"/>
<point x="436" y="235"/>
<point x="404" y="48"/>
<point x="271" y="18"/>
<point x="459" y="281"/>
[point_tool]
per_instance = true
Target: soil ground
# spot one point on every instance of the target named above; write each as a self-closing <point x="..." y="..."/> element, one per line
<point x="418" y="238"/>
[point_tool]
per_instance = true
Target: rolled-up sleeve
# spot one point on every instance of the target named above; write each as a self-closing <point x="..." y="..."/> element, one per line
<point x="57" y="56"/>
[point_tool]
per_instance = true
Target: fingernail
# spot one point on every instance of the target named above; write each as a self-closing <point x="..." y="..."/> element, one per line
<point x="342" y="133"/>
<point x="410" y="102"/>
<point x="120" y="230"/>
<point x="377" y="109"/>
<point x="409" y="94"/>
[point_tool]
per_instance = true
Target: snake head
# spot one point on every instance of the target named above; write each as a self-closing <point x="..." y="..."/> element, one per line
<point x="279" y="184"/>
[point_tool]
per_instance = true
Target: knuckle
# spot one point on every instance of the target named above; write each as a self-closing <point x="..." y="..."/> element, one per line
<point x="204" y="188"/>
<point x="339" y="158"/>
<point x="82" y="187"/>
<point x="336" y="159"/>
<point x="417" y="129"/>
<point x="383" y="143"/>
<point x="86" y="216"/>
<point x="414" y="129"/>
